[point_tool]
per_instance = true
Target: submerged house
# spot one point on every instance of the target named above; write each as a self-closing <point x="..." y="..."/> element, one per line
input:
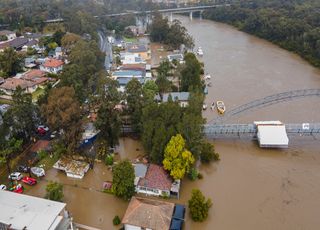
<point x="155" y="181"/>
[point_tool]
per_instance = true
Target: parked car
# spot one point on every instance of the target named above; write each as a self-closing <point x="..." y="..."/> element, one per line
<point x="41" y="131"/>
<point x="38" y="171"/>
<point x="17" y="188"/>
<point x="45" y="128"/>
<point x="29" y="180"/>
<point x="3" y="187"/>
<point x="23" y="168"/>
<point x="53" y="134"/>
<point x="15" y="176"/>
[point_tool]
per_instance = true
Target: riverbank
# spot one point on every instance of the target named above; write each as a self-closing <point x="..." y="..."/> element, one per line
<point x="291" y="26"/>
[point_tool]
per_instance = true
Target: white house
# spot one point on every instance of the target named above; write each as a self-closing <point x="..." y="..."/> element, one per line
<point x="154" y="180"/>
<point x="52" y="66"/>
<point x="19" y="211"/>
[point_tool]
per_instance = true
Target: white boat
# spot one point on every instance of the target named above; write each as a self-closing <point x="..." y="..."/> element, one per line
<point x="207" y="77"/>
<point x="200" y="51"/>
<point x="212" y="106"/>
<point x="38" y="171"/>
<point x="204" y="106"/>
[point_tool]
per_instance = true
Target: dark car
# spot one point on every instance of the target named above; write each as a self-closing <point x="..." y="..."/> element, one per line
<point x="23" y="168"/>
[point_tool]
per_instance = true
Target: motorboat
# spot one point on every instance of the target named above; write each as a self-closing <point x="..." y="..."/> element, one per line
<point x="212" y="105"/>
<point x="221" y="107"/>
<point x="204" y="106"/>
<point x="200" y="51"/>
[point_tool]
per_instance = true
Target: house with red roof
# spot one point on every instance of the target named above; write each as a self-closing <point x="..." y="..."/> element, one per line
<point x="154" y="180"/>
<point x="52" y="65"/>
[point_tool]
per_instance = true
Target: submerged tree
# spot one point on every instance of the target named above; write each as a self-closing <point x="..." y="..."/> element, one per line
<point x="54" y="191"/>
<point x="199" y="206"/>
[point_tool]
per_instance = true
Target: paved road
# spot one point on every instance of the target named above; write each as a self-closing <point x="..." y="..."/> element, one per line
<point x="106" y="48"/>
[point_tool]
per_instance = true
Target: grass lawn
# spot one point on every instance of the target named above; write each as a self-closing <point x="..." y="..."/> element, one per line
<point x="36" y="94"/>
<point x="130" y="39"/>
<point x="48" y="161"/>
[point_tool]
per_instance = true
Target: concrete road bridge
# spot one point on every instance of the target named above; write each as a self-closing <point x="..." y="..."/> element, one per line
<point x="189" y="9"/>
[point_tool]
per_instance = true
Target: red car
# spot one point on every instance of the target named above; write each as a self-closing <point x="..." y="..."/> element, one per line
<point x="29" y="180"/>
<point x="41" y="131"/>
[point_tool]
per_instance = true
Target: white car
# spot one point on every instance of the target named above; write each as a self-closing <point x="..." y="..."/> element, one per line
<point x="46" y="128"/>
<point x="15" y="176"/>
<point x="3" y="187"/>
<point x="38" y="171"/>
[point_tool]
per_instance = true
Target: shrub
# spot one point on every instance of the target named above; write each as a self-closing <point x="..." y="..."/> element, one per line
<point x="116" y="220"/>
<point x="108" y="160"/>
<point x="41" y="154"/>
<point x="193" y="174"/>
<point x="54" y="191"/>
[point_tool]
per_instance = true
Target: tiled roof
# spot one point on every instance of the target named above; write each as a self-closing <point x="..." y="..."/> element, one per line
<point x="32" y="74"/>
<point x="150" y="214"/>
<point x="156" y="178"/>
<point x="53" y="63"/>
<point x="13" y="83"/>
<point x="15" y="43"/>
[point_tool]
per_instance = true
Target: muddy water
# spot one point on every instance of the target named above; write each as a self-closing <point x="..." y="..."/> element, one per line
<point x="253" y="188"/>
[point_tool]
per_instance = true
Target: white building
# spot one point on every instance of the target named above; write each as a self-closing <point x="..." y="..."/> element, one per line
<point x="52" y="66"/>
<point x="131" y="58"/>
<point x="20" y="211"/>
<point x="272" y="134"/>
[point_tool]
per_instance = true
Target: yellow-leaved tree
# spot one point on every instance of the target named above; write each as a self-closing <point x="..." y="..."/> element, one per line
<point x="177" y="159"/>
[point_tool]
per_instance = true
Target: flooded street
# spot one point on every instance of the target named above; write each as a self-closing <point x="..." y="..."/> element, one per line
<point x="252" y="188"/>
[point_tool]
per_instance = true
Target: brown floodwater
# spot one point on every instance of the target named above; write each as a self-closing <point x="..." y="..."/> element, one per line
<point x="251" y="188"/>
<point x="255" y="188"/>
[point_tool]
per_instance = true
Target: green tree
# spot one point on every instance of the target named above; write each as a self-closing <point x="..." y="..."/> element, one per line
<point x="208" y="153"/>
<point x="149" y="90"/>
<point x="10" y="62"/>
<point x="123" y="180"/>
<point x="199" y="206"/>
<point x="177" y="159"/>
<point x="12" y="146"/>
<point x="190" y="74"/>
<point x="135" y="102"/>
<point x="22" y="116"/>
<point x="54" y="191"/>
<point x="63" y="112"/>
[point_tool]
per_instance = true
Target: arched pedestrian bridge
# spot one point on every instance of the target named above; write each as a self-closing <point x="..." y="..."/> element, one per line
<point x="267" y="101"/>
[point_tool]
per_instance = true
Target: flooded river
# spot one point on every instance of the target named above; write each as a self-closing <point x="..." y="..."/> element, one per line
<point x="250" y="188"/>
<point x="253" y="188"/>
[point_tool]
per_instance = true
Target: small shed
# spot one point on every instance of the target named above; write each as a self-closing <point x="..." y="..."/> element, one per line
<point x="272" y="134"/>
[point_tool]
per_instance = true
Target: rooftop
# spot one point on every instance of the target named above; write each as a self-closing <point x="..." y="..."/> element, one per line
<point x="53" y="63"/>
<point x="23" y="211"/>
<point x="176" y="96"/>
<point x="127" y="73"/>
<point x="272" y="134"/>
<point x="32" y="74"/>
<point x="156" y="178"/>
<point x="13" y="83"/>
<point x="151" y="214"/>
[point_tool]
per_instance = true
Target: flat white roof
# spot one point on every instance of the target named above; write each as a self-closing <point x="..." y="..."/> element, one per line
<point x="27" y="211"/>
<point x="272" y="136"/>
